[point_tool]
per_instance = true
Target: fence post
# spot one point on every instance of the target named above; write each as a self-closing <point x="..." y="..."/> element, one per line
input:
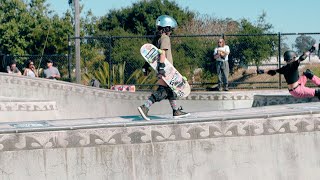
<point x="69" y="58"/>
<point x="279" y="57"/>
<point x="110" y="62"/>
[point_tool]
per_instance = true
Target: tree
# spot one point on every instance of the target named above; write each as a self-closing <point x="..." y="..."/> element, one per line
<point x="253" y="49"/>
<point x="14" y="26"/>
<point x="205" y="24"/>
<point x="303" y="43"/>
<point x="140" y="17"/>
<point x="31" y="28"/>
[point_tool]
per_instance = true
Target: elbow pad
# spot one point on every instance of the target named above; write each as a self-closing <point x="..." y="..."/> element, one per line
<point x="303" y="57"/>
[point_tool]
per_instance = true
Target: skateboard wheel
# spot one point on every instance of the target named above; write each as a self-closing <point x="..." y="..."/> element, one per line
<point x="160" y="51"/>
<point x="185" y="78"/>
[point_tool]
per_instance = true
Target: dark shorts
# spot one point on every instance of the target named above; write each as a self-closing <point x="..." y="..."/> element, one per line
<point x="163" y="92"/>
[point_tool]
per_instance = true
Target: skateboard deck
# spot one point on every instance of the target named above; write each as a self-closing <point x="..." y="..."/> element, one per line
<point x="173" y="78"/>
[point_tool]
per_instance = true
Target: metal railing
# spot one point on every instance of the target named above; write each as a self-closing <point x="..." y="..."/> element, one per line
<point x="192" y="56"/>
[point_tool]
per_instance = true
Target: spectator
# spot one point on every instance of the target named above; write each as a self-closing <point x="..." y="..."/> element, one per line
<point x="30" y="69"/>
<point x="12" y="68"/>
<point x="221" y="56"/>
<point x="94" y="83"/>
<point x="51" y="72"/>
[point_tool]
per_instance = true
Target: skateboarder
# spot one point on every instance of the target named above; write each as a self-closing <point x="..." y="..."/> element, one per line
<point x="296" y="84"/>
<point x="165" y="24"/>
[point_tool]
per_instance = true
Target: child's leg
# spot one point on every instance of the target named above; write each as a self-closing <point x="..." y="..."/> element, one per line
<point x="148" y="103"/>
<point x="173" y="104"/>
<point x="303" y="92"/>
<point x="157" y="96"/>
<point x="172" y="97"/>
<point x="315" y="80"/>
<point x="303" y="80"/>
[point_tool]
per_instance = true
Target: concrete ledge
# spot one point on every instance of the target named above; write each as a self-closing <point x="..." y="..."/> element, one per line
<point x="259" y="144"/>
<point x="16" y="110"/>
<point x="78" y="101"/>
<point x="277" y="99"/>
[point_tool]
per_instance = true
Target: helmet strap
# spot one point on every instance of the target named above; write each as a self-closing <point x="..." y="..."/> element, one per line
<point x="164" y="29"/>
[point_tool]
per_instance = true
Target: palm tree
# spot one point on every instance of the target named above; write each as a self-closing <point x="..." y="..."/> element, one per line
<point x="102" y="75"/>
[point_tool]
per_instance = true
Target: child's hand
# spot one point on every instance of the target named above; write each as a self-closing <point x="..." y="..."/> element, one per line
<point x="313" y="48"/>
<point x="272" y="72"/>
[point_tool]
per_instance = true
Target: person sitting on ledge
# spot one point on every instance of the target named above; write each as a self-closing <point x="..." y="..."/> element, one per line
<point x="296" y="84"/>
<point x="30" y="69"/>
<point x="51" y="72"/>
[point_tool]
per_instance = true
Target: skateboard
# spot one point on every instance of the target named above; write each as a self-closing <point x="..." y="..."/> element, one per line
<point x="173" y="78"/>
<point x="130" y="88"/>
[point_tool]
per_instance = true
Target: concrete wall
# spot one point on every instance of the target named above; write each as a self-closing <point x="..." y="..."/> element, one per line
<point x="17" y="110"/>
<point x="265" y="99"/>
<point x="78" y="101"/>
<point x="282" y="147"/>
<point x="24" y="99"/>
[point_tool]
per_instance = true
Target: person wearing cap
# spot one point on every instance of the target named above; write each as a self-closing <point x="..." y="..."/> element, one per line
<point x="51" y="72"/>
<point x="12" y="68"/>
<point x="296" y="84"/>
<point x="165" y="25"/>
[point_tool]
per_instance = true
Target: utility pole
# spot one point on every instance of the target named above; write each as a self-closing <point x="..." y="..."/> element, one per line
<point x="77" y="40"/>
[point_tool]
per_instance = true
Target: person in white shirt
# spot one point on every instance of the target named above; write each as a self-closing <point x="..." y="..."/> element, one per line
<point x="221" y="56"/>
<point x="30" y="69"/>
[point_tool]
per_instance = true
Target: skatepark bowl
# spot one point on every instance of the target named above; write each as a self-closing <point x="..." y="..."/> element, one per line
<point x="58" y="130"/>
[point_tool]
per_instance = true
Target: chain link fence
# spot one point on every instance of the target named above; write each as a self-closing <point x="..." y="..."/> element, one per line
<point x="116" y="60"/>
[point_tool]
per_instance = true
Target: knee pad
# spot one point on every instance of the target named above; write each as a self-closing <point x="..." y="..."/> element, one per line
<point x="308" y="73"/>
<point x="158" y="96"/>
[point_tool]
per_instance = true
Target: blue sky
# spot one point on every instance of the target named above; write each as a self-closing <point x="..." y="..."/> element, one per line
<point x="285" y="15"/>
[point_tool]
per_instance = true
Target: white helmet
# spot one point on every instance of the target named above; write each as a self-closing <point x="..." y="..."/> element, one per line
<point x="165" y="21"/>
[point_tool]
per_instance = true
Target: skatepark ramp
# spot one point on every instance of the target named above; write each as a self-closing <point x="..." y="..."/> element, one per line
<point x="51" y="99"/>
<point x="60" y="130"/>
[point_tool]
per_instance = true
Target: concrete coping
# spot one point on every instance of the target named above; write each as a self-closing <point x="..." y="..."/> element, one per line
<point x="201" y="117"/>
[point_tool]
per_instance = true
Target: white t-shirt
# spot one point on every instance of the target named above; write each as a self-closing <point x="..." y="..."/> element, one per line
<point x="226" y="49"/>
<point x="30" y="73"/>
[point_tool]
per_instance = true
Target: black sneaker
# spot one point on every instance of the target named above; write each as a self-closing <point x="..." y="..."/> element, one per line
<point x="143" y="110"/>
<point x="308" y="73"/>
<point x="179" y="113"/>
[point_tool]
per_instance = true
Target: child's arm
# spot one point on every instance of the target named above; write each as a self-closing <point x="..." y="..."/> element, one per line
<point x="271" y="72"/>
<point x="307" y="53"/>
<point x="162" y="55"/>
<point x="161" y="64"/>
